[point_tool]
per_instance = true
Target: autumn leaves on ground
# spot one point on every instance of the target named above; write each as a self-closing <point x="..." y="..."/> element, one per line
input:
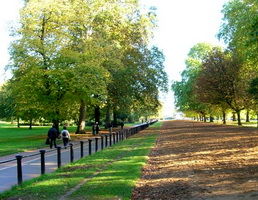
<point x="195" y="160"/>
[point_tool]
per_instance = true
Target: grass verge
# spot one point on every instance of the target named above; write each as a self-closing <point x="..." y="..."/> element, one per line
<point x="108" y="174"/>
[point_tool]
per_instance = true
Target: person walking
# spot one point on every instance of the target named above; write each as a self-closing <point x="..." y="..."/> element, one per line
<point x="122" y="124"/>
<point x="65" y="136"/>
<point x="95" y="128"/>
<point x="110" y="126"/>
<point x="52" y="135"/>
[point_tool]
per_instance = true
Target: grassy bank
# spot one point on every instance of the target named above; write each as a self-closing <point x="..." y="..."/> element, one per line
<point x="108" y="174"/>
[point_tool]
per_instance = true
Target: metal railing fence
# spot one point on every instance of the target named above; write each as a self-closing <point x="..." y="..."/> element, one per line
<point x="112" y="137"/>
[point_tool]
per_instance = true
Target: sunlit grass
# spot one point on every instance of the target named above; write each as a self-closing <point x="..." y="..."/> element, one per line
<point x="117" y="169"/>
<point x="119" y="178"/>
<point x="235" y="123"/>
<point x="157" y="124"/>
<point x="16" y="140"/>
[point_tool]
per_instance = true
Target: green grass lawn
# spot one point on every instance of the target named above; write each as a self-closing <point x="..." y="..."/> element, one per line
<point x="112" y="173"/>
<point x="16" y="140"/>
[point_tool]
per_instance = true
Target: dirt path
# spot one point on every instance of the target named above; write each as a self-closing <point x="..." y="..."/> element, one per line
<point x="194" y="160"/>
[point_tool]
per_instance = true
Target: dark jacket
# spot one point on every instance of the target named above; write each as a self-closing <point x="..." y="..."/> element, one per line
<point x="52" y="133"/>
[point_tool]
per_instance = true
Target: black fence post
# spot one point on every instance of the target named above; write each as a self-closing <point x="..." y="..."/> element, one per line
<point x="106" y="142"/>
<point x="117" y="137"/>
<point x="126" y="133"/>
<point x="81" y="142"/>
<point x="122" y="134"/>
<point x="89" y="146"/>
<point x="42" y="158"/>
<point x="129" y="132"/>
<point x="96" y="144"/>
<point x="19" y="169"/>
<point x="71" y="152"/>
<point x="102" y="142"/>
<point x="110" y="139"/>
<point x="114" y="138"/>
<point x="58" y="156"/>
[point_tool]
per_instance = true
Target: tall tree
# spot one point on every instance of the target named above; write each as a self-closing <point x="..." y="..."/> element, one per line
<point x="253" y="90"/>
<point x="240" y="27"/>
<point x="185" y="98"/>
<point x="63" y="45"/>
<point x="34" y="57"/>
<point x="221" y="81"/>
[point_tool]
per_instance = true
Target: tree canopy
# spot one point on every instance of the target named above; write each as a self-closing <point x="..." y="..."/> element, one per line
<point x="71" y="54"/>
<point x="223" y="78"/>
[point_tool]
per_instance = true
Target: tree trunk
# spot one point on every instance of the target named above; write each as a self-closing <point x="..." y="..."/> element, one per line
<point x="238" y="117"/>
<point x="257" y="119"/>
<point x="30" y="123"/>
<point x="97" y="114"/>
<point x="224" y="117"/>
<point x="56" y="121"/>
<point x="56" y="124"/>
<point x="18" y="122"/>
<point x="247" y="116"/>
<point x="234" y="116"/>
<point x="204" y="118"/>
<point x="115" y="119"/>
<point x="82" y="117"/>
<point x="108" y="119"/>
<point x="211" y="119"/>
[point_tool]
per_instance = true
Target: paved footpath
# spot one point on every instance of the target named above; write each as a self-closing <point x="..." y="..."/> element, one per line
<point x="31" y="166"/>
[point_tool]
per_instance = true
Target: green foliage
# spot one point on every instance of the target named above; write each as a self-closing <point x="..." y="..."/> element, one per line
<point x="6" y="105"/>
<point x="185" y="98"/>
<point x="254" y="88"/>
<point x="240" y="27"/>
<point x="136" y="81"/>
<point x="222" y="78"/>
<point x="68" y="52"/>
<point x="221" y="81"/>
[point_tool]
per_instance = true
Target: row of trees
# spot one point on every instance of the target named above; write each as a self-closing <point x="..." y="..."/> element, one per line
<point x="220" y="80"/>
<point x="75" y="57"/>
